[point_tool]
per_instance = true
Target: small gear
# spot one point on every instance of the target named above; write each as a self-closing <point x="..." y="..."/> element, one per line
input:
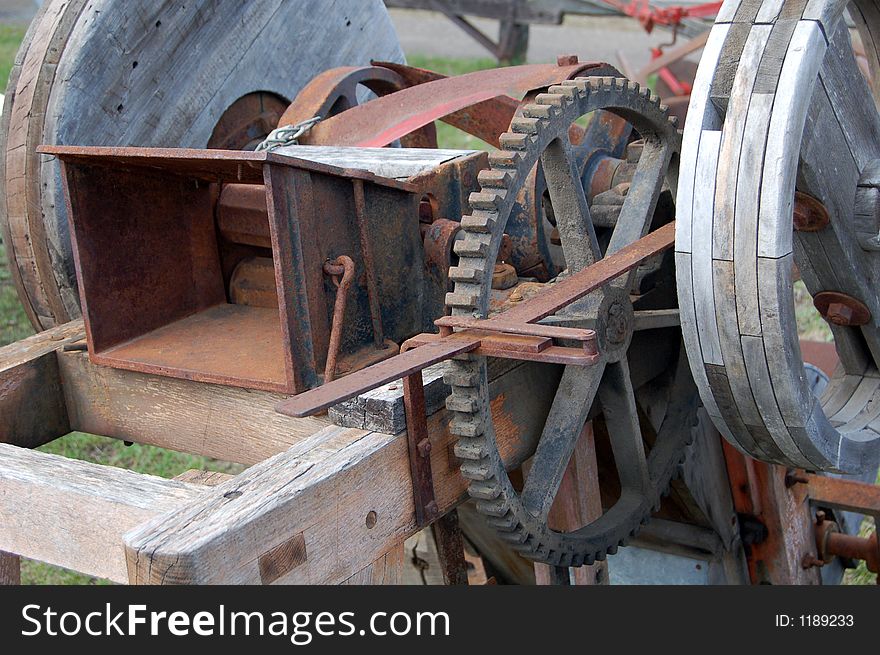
<point x="540" y="136"/>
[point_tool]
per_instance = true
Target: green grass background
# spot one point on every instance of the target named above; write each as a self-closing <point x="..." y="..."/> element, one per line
<point x="156" y="461"/>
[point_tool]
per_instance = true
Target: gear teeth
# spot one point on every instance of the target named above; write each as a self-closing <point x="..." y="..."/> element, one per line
<point x="612" y="550"/>
<point x="462" y="404"/>
<point x="466" y="427"/>
<point x="553" y="99"/>
<point x="487" y="201"/>
<point x="471" y="247"/>
<point x="470" y="449"/>
<point x="461" y="379"/>
<point x="506" y="523"/>
<point x="494" y="178"/>
<point x="525" y="125"/>
<point x="513" y="141"/>
<point x="600" y="556"/>
<point x="484" y="491"/>
<point x="461" y="274"/>
<point x="481" y="221"/>
<point x="497" y="508"/>
<point x="505" y="159"/>
<point x="515" y="538"/>
<point x="539" y="111"/>
<point x="465" y="300"/>
<point x="568" y="91"/>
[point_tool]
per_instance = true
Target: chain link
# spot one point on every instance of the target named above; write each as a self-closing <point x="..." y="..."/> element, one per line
<point x="287" y="135"/>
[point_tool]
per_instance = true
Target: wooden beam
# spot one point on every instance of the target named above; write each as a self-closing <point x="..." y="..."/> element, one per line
<point x="577" y="503"/>
<point x="226" y="423"/>
<point x="73" y="514"/>
<point x="349" y="496"/>
<point x="386" y="570"/>
<point x="32" y="408"/>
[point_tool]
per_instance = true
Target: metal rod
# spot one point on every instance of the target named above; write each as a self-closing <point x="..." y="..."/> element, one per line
<point x="419" y="449"/>
<point x="344" y="266"/>
<point x="360" y="208"/>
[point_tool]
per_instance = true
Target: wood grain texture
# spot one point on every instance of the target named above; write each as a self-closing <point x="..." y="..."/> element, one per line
<point x="221" y="537"/>
<point x="73" y="514"/>
<point x="32" y="406"/>
<point x="226" y="423"/>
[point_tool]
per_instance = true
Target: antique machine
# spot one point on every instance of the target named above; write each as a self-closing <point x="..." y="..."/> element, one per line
<point x="380" y="327"/>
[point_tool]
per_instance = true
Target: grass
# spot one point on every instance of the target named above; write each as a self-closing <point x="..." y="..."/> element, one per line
<point x="164" y="463"/>
<point x="10" y="38"/>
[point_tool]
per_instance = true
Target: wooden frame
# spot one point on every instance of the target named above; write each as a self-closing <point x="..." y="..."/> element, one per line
<point x="130" y="527"/>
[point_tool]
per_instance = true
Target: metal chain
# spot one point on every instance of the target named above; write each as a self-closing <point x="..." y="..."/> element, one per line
<point x="287" y="135"/>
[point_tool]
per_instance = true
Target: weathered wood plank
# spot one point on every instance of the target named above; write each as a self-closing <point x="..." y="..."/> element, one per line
<point x="235" y="425"/>
<point x="732" y="142"/>
<point x="701" y="259"/>
<point x="73" y="513"/>
<point x="222" y="536"/>
<point x="32" y="407"/>
<point x="386" y="570"/>
<point x="796" y="80"/>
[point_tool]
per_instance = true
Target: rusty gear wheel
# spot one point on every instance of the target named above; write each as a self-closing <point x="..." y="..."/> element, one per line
<point x="646" y="449"/>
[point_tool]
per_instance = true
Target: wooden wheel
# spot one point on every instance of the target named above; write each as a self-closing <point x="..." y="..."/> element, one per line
<point x="163" y="73"/>
<point x="779" y="167"/>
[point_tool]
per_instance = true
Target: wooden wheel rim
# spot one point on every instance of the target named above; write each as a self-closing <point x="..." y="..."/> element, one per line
<point x="772" y="78"/>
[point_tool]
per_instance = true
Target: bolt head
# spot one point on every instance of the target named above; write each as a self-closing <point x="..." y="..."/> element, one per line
<point x="424" y="447"/>
<point x="840" y="314"/>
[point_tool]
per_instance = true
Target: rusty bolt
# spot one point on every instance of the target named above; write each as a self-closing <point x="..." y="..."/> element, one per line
<point x="566" y="60"/>
<point x="841" y="309"/>
<point x="839" y="314"/>
<point x="424" y="447"/>
<point x="810" y="215"/>
<point x="809" y="561"/>
<point x="792" y="477"/>
<point x="431" y="509"/>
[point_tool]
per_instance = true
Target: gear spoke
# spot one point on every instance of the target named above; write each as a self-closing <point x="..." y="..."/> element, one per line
<point x="621" y="416"/>
<point x="572" y="403"/>
<point x="638" y="207"/>
<point x="579" y="243"/>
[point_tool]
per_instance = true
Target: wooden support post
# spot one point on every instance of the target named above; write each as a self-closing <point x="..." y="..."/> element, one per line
<point x="32" y="408"/>
<point x="450" y="549"/>
<point x="10" y="569"/>
<point x="577" y="503"/>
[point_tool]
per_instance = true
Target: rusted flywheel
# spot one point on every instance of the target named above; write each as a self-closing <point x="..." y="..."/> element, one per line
<point x="780" y="166"/>
<point x="111" y="72"/>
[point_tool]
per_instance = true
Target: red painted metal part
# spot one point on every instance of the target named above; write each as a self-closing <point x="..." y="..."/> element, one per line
<point x="469" y="99"/>
<point x="649" y="15"/>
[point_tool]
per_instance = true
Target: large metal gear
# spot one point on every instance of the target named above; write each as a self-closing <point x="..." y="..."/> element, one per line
<point x="540" y="135"/>
<point x="783" y="124"/>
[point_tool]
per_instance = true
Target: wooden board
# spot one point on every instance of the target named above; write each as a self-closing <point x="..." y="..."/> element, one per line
<point x="73" y="514"/>
<point x="99" y="73"/>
